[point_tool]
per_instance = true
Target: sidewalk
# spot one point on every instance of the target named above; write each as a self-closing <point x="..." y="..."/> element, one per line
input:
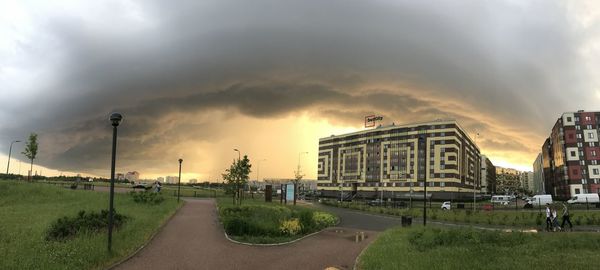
<point x="194" y="239"/>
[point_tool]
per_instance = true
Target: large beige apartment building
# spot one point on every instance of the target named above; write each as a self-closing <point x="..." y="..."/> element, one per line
<point x="397" y="160"/>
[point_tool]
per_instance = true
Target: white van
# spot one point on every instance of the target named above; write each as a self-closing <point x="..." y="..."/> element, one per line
<point x="585" y="198"/>
<point x="501" y="199"/>
<point x="540" y="200"/>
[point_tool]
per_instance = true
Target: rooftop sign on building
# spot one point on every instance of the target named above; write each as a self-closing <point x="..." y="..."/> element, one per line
<point x="370" y="120"/>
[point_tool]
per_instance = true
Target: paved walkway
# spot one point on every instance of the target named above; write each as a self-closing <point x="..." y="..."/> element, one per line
<point x="194" y="239"/>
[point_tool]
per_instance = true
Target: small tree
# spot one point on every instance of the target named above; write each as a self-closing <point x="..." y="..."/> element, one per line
<point x="237" y="177"/>
<point x="31" y="149"/>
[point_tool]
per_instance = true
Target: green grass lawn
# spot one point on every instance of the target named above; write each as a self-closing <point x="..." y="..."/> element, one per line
<point x="260" y="222"/>
<point x="416" y="248"/>
<point x="27" y="210"/>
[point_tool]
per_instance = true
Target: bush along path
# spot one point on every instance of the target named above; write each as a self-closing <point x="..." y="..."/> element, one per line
<point x="271" y="223"/>
<point x="194" y="239"/>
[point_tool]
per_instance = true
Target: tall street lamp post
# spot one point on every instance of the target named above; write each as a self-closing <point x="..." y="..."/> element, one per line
<point x="422" y="159"/>
<point x="9" y="151"/>
<point x="239" y="154"/>
<point x="179" y="182"/>
<point x="258" y="167"/>
<point x="475" y="180"/>
<point x="115" y="119"/>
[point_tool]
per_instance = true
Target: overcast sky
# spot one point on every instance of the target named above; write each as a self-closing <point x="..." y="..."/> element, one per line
<point x="195" y="79"/>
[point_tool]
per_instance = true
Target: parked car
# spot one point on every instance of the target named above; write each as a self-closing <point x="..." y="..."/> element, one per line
<point x="540" y="200"/>
<point x="446" y="206"/>
<point x="585" y="198"/>
<point x="376" y="202"/>
<point x="501" y="199"/>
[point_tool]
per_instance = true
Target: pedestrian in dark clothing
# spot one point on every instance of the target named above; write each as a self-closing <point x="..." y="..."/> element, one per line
<point x="566" y="218"/>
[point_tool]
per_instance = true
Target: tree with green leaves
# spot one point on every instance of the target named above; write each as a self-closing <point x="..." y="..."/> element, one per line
<point x="237" y="177"/>
<point x="31" y="149"/>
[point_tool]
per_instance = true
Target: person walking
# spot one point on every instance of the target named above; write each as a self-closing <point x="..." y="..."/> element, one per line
<point x="555" y="226"/>
<point x="157" y="186"/>
<point x="566" y="218"/>
<point x="548" y="217"/>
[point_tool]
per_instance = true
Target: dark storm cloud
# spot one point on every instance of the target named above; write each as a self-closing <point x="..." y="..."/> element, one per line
<point x="407" y="60"/>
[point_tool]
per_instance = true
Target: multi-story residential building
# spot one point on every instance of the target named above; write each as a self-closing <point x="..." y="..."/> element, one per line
<point x="193" y="181"/>
<point x="570" y="155"/>
<point x="538" y="175"/>
<point x="526" y="182"/>
<point x="160" y="179"/>
<point x="508" y="180"/>
<point x="399" y="159"/>
<point x="488" y="176"/>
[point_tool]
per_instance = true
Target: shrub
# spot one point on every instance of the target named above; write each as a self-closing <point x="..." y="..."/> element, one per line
<point x="577" y="220"/>
<point x="146" y="197"/>
<point x="323" y="220"/>
<point x="290" y="227"/>
<point x="67" y="227"/>
<point x="305" y="217"/>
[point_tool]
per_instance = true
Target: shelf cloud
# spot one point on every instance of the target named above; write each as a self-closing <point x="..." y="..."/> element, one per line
<point x="196" y="73"/>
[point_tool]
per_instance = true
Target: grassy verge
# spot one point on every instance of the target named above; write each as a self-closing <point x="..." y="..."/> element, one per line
<point x="419" y="248"/>
<point x="28" y="209"/>
<point x="503" y="218"/>
<point x="259" y="222"/>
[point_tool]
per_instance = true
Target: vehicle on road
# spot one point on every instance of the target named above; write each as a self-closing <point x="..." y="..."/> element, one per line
<point x="585" y="198"/>
<point x="540" y="200"/>
<point x="446" y="206"/>
<point x="501" y="199"/>
<point x="376" y="202"/>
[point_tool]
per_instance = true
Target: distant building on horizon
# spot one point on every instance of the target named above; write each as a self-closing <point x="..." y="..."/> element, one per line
<point x="538" y="175"/>
<point x="508" y="181"/>
<point x="526" y="181"/>
<point x="570" y="155"/>
<point x="488" y="176"/>
<point x="171" y="179"/>
<point x="119" y="177"/>
<point x="193" y="181"/>
<point x="133" y="176"/>
<point x="160" y="179"/>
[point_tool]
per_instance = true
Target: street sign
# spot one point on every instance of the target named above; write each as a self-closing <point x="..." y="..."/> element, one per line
<point x="289" y="192"/>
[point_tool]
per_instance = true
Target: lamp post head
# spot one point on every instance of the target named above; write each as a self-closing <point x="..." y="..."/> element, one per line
<point x="180" y="160"/>
<point x="115" y="119"/>
<point x="17" y="141"/>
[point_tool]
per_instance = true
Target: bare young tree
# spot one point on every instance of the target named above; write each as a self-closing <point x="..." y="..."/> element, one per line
<point x="31" y="149"/>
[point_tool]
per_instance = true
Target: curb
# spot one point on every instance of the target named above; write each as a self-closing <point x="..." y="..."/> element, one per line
<point x="113" y="266"/>
<point x="274" y="244"/>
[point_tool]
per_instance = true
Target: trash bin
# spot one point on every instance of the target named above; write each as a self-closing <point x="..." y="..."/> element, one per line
<point x="406" y="221"/>
<point x="460" y="205"/>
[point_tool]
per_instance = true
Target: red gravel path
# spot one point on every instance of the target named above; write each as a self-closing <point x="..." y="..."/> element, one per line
<point x="194" y="239"/>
